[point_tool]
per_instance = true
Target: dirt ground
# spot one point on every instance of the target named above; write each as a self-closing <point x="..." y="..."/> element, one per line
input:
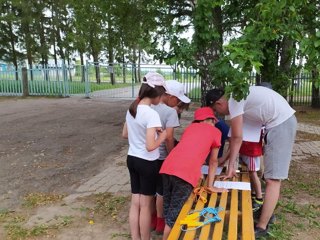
<point x="51" y="146"/>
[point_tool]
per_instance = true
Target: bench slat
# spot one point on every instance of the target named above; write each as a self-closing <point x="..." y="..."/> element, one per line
<point x="247" y="219"/>
<point x="176" y="230"/>
<point x="233" y="217"/>
<point x="218" y="228"/>
<point x="206" y="229"/>
<point x="190" y="235"/>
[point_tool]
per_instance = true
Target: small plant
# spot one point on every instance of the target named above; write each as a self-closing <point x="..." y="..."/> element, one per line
<point x="16" y="231"/>
<point x="110" y="205"/>
<point x="39" y="199"/>
<point x="123" y="235"/>
<point x="64" y="221"/>
<point x="4" y="213"/>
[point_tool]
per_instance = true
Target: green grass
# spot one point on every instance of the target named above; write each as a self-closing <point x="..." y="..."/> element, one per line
<point x="108" y="204"/>
<point x="195" y="94"/>
<point x="15" y="230"/>
<point x="56" y="88"/>
<point x="39" y="199"/>
<point x="122" y="235"/>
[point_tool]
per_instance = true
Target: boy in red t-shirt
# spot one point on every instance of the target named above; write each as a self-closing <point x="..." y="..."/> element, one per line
<point x="249" y="154"/>
<point x="182" y="168"/>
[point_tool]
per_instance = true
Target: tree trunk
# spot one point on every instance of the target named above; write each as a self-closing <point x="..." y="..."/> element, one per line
<point x="69" y="68"/>
<point x="27" y="38"/>
<point x="139" y="65"/>
<point x="208" y="52"/>
<point x="96" y="66"/>
<point x="111" y="66"/>
<point x="123" y="69"/>
<point x="43" y="46"/>
<point x="13" y="51"/>
<point x="82" y="68"/>
<point x="59" y="43"/>
<point x="287" y="46"/>
<point x="268" y="71"/>
<point x="134" y="65"/>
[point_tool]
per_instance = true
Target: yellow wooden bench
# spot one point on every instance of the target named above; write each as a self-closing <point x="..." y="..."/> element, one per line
<point x="236" y="218"/>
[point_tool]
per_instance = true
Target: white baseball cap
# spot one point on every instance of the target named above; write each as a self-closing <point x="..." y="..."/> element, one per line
<point x="176" y="89"/>
<point x="155" y="79"/>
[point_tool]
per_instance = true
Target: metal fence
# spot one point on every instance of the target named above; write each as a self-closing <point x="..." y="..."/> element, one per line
<point x="115" y="81"/>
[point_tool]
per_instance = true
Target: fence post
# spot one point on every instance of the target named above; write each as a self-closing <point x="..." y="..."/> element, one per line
<point x="65" y="80"/>
<point x="25" y="89"/>
<point x="133" y="78"/>
<point x="86" y="80"/>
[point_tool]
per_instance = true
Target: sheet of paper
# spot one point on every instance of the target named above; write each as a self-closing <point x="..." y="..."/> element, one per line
<point x="205" y="169"/>
<point x="232" y="185"/>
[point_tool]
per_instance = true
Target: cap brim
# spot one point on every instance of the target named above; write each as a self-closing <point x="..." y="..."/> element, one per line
<point x="209" y="117"/>
<point x="185" y="99"/>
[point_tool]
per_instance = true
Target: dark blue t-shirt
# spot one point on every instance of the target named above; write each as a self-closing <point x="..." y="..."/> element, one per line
<point x="224" y="129"/>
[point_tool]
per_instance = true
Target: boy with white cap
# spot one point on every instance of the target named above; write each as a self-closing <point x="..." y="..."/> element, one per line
<point x="169" y="119"/>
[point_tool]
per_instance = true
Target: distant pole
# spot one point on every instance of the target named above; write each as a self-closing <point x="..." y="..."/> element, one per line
<point x="86" y="83"/>
<point x="25" y="89"/>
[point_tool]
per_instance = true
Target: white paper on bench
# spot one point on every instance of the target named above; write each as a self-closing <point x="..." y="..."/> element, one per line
<point x="205" y="169"/>
<point x="232" y="185"/>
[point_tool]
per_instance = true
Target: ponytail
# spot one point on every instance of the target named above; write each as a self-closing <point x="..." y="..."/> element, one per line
<point x="133" y="107"/>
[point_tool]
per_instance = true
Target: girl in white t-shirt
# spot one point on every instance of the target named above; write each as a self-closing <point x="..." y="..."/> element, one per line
<point x="144" y="132"/>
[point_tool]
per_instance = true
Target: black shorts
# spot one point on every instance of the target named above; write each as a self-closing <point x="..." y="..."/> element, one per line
<point x="143" y="175"/>
<point x="159" y="179"/>
<point x="175" y="193"/>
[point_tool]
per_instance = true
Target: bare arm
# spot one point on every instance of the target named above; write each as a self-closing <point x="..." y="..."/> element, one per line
<point x="224" y="158"/>
<point x="151" y="142"/>
<point x="213" y="164"/>
<point x="235" y="143"/>
<point x="125" y="131"/>
<point x="170" y="139"/>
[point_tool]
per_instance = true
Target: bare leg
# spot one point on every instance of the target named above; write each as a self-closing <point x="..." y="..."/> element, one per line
<point x="270" y="201"/>
<point x="134" y="216"/>
<point x="145" y="216"/>
<point x="166" y="232"/>
<point x="159" y="206"/>
<point x="256" y="184"/>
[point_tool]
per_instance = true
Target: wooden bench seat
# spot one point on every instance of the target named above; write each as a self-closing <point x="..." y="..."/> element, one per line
<point x="236" y="218"/>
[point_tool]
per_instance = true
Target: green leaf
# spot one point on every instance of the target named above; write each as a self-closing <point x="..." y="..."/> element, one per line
<point x="317" y="43"/>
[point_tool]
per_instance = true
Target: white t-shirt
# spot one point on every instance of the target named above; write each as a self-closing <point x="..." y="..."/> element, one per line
<point x="137" y="129"/>
<point x="169" y="119"/>
<point x="262" y="107"/>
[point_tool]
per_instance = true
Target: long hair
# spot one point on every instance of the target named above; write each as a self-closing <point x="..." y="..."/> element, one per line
<point x="145" y="91"/>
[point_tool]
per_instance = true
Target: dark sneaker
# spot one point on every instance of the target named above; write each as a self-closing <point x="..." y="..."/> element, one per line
<point x="256" y="216"/>
<point x="272" y="219"/>
<point x="259" y="232"/>
<point x="256" y="205"/>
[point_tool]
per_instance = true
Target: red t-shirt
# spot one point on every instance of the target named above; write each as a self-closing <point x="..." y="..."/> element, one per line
<point x="186" y="159"/>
